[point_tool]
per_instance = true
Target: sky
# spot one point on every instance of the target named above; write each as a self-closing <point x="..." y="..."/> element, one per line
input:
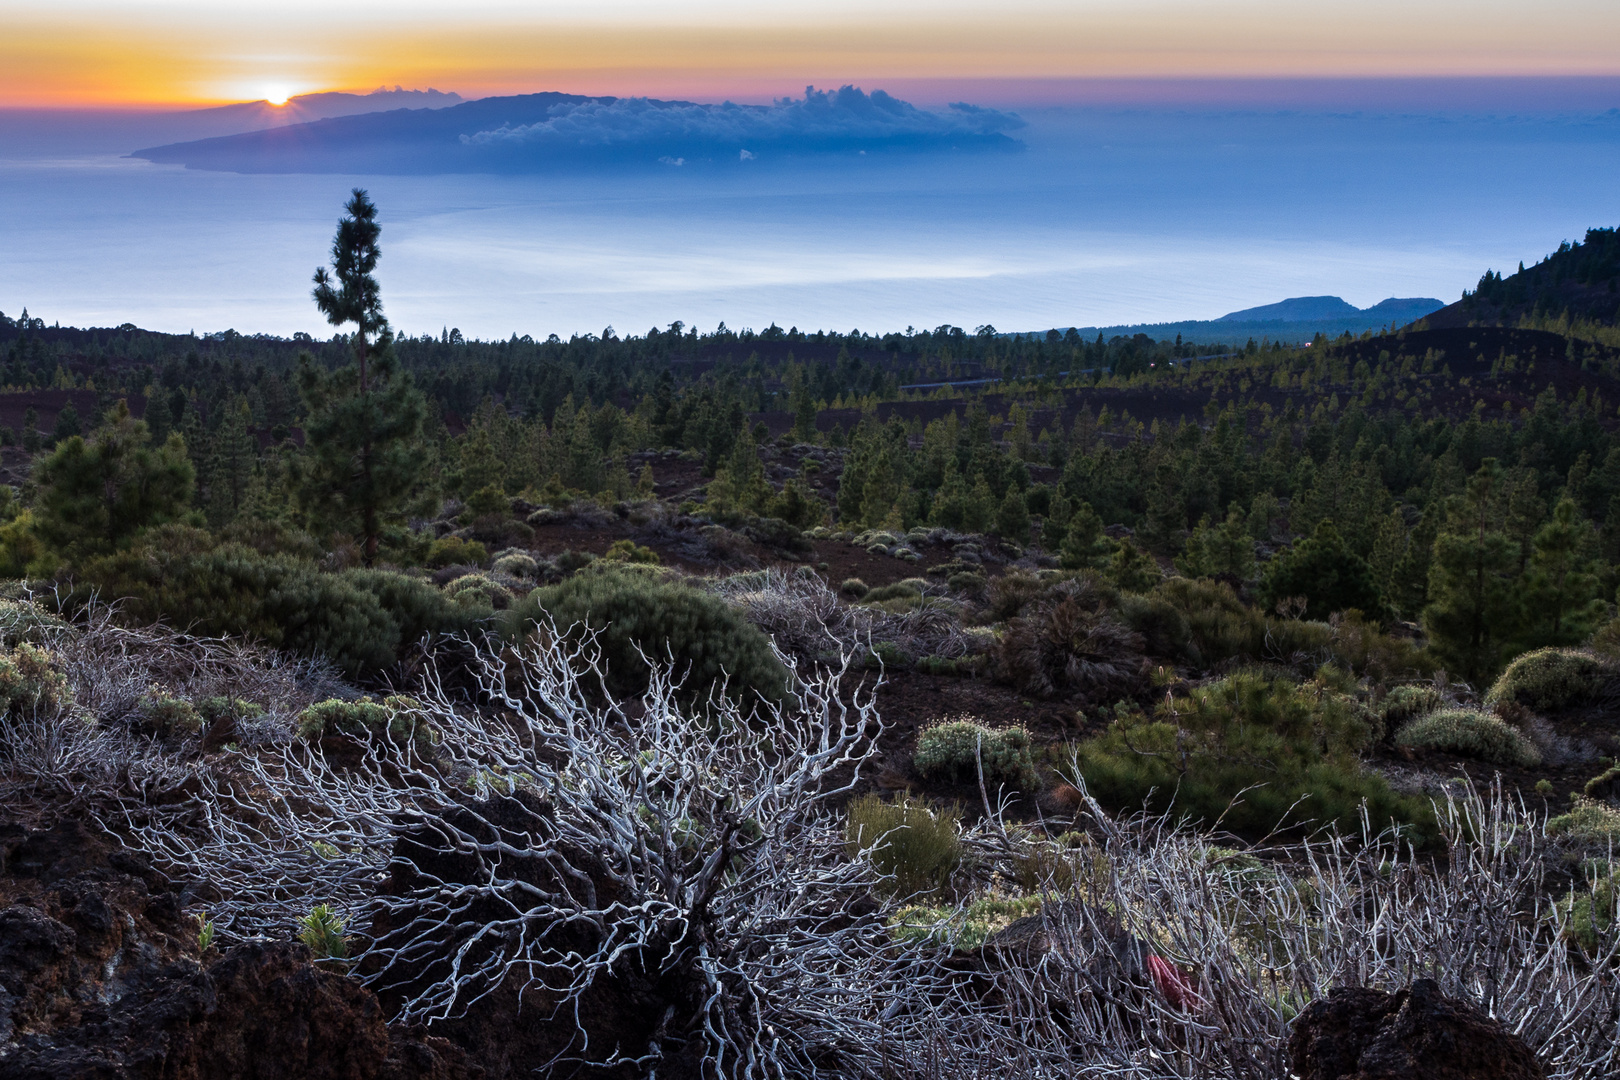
<point x="192" y="52"/>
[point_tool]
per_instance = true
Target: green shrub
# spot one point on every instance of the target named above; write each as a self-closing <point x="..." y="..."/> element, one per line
<point x="395" y="717"/>
<point x="1219" y="626"/>
<point x="1470" y="733"/>
<point x="900" y="590"/>
<point x="165" y="716"/>
<point x="951" y="750"/>
<point x="22" y="621"/>
<point x="1588" y="909"/>
<point x="30" y="679"/>
<point x="421" y="611"/>
<point x="214" y="709"/>
<point x="356" y="618"/>
<point x="271" y="538"/>
<point x="628" y="551"/>
<point x="570" y="562"/>
<point x="1588" y="822"/>
<point x="915" y="848"/>
<point x="1404" y="704"/>
<point x="1547" y="680"/>
<point x="1291" y="639"/>
<point x="707" y="638"/>
<point x="1288" y="753"/>
<point x="1163" y="627"/>
<point x="476" y="590"/>
<point x="963" y="928"/>
<point x="518" y="565"/>
<point x="486" y="501"/>
<point x="853" y="588"/>
<point x="454" y="551"/>
<point x="967" y="581"/>
<point x="1605" y="785"/>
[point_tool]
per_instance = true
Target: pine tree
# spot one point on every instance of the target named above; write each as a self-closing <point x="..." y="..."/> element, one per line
<point x="1085" y="546"/>
<point x="1225" y="548"/>
<point x="1012" y="518"/>
<point x="1473" y="598"/>
<point x="95" y="495"/>
<point x="363" y="433"/>
<point x="979" y="509"/>
<point x="1561" y="595"/>
<point x="67" y="424"/>
<point x="231" y="461"/>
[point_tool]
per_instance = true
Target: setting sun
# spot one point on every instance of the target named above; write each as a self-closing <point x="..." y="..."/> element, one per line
<point x="276" y="95"/>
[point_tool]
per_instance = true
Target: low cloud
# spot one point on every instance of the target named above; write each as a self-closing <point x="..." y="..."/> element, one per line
<point x="823" y="121"/>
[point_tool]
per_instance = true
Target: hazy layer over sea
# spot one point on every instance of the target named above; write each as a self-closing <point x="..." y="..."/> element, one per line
<point x="1111" y="215"/>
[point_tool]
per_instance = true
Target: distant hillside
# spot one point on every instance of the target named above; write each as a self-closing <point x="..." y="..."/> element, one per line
<point x="1297" y="319"/>
<point x="546" y="132"/>
<point x="1580" y="279"/>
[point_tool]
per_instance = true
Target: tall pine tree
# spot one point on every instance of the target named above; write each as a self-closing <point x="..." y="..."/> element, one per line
<point x="362" y="435"/>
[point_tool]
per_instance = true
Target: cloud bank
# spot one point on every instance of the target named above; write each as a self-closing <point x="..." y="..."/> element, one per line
<point x="551" y="132"/>
<point x="821" y="122"/>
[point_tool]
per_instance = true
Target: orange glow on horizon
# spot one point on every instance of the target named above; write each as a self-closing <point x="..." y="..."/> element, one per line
<point x="115" y="59"/>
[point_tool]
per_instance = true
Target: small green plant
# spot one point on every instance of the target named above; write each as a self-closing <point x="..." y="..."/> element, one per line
<point x="961" y="928"/>
<point x="1547" y="680"/>
<point x="853" y="589"/>
<point x="1588" y="909"/>
<point x="165" y="716"/>
<point x="476" y="590"/>
<point x="628" y="551"/>
<point x="395" y="717"/>
<point x="951" y="750"/>
<point x="455" y="551"/>
<point x="1471" y="733"/>
<point x="323" y="931"/>
<point x="215" y="709"/>
<point x="914" y="848"/>
<point x="1544" y="786"/>
<point x="205" y="933"/>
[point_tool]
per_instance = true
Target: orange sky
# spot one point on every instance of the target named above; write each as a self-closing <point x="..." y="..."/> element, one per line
<point x="120" y="52"/>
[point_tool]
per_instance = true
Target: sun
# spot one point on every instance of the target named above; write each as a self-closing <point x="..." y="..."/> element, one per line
<point x="276" y="95"/>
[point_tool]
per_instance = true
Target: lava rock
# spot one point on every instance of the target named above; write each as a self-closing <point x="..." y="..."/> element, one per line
<point x="1414" y="1034"/>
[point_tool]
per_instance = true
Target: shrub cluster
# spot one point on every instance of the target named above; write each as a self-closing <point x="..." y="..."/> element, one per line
<point x="634" y="613"/>
<point x="1251" y="752"/>
<point x="359" y="619"/>
<point x="1471" y="733"/>
<point x="30" y="679"/>
<point x="952" y="750"/>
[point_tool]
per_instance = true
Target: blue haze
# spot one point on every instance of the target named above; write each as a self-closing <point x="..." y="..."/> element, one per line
<point x="1106" y="216"/>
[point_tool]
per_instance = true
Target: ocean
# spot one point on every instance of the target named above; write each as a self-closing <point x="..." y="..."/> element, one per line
<point x="1109" y="215"/>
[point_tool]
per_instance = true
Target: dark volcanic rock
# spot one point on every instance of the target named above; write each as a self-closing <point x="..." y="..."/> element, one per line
<point x="99" y="980"/>
<point x="1415" y="1034"/>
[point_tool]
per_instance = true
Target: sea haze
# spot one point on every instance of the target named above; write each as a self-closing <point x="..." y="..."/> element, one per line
<point x="1096" y="216"/>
